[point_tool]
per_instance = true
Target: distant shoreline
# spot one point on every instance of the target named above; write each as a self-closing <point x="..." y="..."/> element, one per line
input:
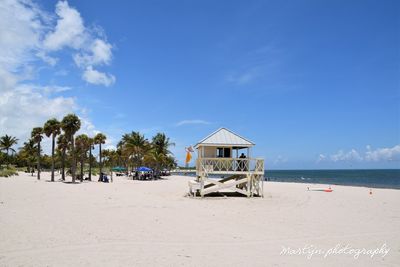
<point x="370" y="178"/>
<point x="346" y="185"/>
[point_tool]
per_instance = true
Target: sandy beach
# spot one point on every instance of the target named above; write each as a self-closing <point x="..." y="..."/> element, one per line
<point x="152" y="223"/>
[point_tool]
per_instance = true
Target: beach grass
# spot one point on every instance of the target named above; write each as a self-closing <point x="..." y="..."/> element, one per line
<point x="8" y="171"/>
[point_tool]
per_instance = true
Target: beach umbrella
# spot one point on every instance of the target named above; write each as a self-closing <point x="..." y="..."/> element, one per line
<point x="144" y="169"/>
<point x="119" y="169"/>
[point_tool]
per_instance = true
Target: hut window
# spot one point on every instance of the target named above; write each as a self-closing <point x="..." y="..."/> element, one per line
<point x="223" y="152"/>
<point x="220" y="152"/>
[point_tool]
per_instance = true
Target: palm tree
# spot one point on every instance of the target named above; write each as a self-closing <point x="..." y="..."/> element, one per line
<point x="37" y="138"/>
<point x="6" y="143"/>
<point x="155" y="160"/>
<point x="110" y="157"/>
<point x="136" y="146"/>
<point x="119" y="156"/>
<point x="27" y="152"/>
<point x="161" y="144"/>
<point x="125" y="153"/>
<point x="82" y="146"/>
<point x="100" y="139"/>
<point x="70" y="125"/>
<point x="90" y="142"/>
<point x="107" y="157"/>
<point x="62" y="145"/>
<point x="156" y="154"/>
<point x="52" y="127"/>
<point x="170" y="162"/>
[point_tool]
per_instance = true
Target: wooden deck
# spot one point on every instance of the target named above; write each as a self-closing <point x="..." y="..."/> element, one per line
<point x="246" y="176"/>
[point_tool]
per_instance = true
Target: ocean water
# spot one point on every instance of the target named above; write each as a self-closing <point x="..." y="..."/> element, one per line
<point x="367" y="178"/>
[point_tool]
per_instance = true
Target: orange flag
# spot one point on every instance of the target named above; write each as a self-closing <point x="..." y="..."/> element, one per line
<point x="188" y="157"/>
<point x="189" y="150"/>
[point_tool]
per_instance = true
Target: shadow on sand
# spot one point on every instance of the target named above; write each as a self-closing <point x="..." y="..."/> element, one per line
<point x="78" y="182"/>
<point x="68" y="182"/>
<point x="223" y="195"/>
<point x="148" y="180"/>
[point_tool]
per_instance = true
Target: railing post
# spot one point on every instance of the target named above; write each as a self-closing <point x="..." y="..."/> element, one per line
<point x="248" y="184"/>
<point x="202" y="186"/>
<point x="262" y="185"/>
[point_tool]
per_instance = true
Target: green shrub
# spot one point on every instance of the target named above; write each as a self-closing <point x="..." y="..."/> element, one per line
<point x="8" y="171"/>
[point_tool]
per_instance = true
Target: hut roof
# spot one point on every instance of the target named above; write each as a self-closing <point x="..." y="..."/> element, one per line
<point x="225" y="137"/>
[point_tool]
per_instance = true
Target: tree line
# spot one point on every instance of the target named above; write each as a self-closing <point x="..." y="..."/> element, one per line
<point x="68" y="151"/>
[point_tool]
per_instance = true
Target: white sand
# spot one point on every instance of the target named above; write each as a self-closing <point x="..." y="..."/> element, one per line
<point x="151" y="223"/>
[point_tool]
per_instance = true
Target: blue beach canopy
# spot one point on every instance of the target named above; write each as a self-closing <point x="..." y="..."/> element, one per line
<point x="144" y="169"/>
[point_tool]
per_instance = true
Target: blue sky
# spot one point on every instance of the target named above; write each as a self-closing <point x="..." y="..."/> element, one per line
<point x="315" y="84"/>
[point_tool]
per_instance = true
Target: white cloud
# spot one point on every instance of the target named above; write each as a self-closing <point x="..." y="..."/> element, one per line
<point x="48" y="89"/>
<point x="383" y="154"/>
<point x="100" y="53"/>
<point x="378" y="155"/>
<point x="46" y="58"/>
<point x="96" y="77"/>
<point x="26" y="35"/>
<point x="110" y="147"/>
<point x="69" y="30"/>
<point x="26" y="107"/>
<point x="110" y="141"/>
<point x="321" y="157"/>
<point x="352" y="155"/>
<point x="91" y="49"/>
<point x="21" y="29"/>
<point x="7" y="79"/>
<point x="184" y="122"/>
<point x="87" y="127"/>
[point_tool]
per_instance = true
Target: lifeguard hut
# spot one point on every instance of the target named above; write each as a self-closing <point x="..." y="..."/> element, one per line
<point x="224" y="162"/>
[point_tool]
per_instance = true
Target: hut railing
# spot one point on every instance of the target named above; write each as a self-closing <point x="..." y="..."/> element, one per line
<point x="205" y="166"/>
